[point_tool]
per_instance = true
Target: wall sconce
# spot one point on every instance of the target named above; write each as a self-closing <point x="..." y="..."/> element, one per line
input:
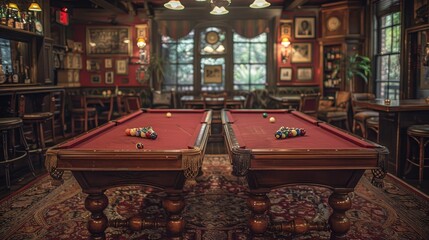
<point x="141" y="44"/>
<point x="285" y="50"/>
<point x="285" y="42"/>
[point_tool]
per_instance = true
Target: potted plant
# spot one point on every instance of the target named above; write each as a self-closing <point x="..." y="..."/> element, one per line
<point x="357" y="65"/>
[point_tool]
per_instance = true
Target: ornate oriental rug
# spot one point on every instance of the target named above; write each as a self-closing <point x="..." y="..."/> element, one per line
<point x="215" y="209"/>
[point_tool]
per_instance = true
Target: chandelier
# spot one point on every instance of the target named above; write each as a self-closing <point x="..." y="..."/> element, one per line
<point x="219" y="6"/>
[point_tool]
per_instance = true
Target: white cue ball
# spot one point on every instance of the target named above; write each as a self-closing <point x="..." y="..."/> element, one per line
<point x="272" y="119"/>
<point x="168" y="114"/>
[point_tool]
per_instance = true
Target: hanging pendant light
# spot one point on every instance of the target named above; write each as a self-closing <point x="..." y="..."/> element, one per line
<point x="35" y="7"/>
<point x="13" y="6"/>
<point x="219" y="7"/>
<point x="219" y="11"/>
<point x="174" y="5"/>
<point x="260" y="4"/>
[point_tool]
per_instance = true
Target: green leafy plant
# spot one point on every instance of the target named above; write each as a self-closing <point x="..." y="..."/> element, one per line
<point x="358" y="65"/>
<point x="155" y="70"/>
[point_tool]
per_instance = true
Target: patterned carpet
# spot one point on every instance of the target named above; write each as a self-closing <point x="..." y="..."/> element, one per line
<point x="215" y="209"/>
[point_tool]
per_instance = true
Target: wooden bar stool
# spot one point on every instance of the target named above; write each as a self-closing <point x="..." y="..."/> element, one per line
<point x="420" y="134"/>
<point x="37" y="120"/>
<point x="13" y="152"/>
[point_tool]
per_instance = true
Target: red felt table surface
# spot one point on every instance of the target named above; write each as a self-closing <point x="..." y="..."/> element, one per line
<point x="255" y="132"/>
<point x="177" y="132"/>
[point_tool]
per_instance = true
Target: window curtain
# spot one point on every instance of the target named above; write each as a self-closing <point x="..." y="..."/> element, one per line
<point x="175" y="29"/>
<point x="246" y="28"/>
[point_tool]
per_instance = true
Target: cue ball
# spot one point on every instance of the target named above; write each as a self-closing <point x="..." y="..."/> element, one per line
<point x="168" y="114"/>
<point x="272" y="120"/>
<point x="265" y="115"/>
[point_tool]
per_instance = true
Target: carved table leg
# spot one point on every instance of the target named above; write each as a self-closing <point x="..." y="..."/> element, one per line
<point x="96" y="203"/>
<point x="173" y="205"/>
<point x="340" y="202"/>
<point x="259" y="204"/>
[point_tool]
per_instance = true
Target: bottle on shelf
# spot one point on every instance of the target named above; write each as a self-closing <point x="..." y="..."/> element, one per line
<point x="10" y="18"/>
<point x="3" y="15"/>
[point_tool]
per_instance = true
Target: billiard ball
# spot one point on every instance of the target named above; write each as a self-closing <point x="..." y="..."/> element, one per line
<point x="127" y="132"/>
<point x="272" y="120"/>
<point x="139" y="145"/>
<point x="265" y="115"/>
<point x="168" y="114"/>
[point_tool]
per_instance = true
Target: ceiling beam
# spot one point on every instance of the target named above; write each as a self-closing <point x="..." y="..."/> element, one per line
<point x="290" y="5"/>
<point x="116" y="8"/>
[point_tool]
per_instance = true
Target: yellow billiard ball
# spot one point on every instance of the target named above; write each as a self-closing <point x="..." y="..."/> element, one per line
<point x="168" y="114"/>
<point x="272" y="119"/>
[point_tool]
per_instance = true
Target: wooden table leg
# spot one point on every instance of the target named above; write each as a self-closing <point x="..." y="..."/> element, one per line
<point x="340" y="202"/>
<point x="173" y="205"/>
<point x="96" y="202"/>
<point x="259" y="204"/>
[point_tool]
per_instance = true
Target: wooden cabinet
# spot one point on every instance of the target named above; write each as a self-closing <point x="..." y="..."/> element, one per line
<point x="342" y="36"/>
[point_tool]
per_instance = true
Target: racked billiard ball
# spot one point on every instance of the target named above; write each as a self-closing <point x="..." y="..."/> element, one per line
<point x="265" y="115"/>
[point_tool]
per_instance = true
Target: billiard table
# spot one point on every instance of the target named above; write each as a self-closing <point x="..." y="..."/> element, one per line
<point x="106" y="157"/>
<point x="324" y="156"/>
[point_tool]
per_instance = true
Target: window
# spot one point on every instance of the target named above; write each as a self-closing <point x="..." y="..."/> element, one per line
<point x="178" y="62"/>
<point x="388" y="56"/>
<point x="250" y="62"/>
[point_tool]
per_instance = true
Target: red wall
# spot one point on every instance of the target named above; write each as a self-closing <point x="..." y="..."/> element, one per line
<point x="79" y="35"/>
<point x="315" y="63"/>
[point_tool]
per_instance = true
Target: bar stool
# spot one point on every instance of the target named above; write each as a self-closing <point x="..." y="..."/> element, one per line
<point x="371" y="125"/>
<point x="37" y="120"/>
<point x="420" y="134"/>
<point x="10" y="152"/>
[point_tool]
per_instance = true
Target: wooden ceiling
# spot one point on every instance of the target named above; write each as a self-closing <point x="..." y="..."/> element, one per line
<point x="124" y="11"/>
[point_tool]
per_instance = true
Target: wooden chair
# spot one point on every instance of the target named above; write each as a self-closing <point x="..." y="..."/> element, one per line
<point x="250" y="99"/>
<point x="104" y="107"/>
<point x="131" y="103"/>
<point x="215" y="101"/>
<point x="309" y="104"/>
<point x="360" y="115"/>
<point x="59" y="108"/>
<point x="163" y="99"/>
<point x="82" y="113"/>
<point x="338" y="113"/>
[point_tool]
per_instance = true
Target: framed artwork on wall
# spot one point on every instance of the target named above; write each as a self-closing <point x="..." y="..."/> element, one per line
<point x="301" y="52"/>
<point x="122" y="66"/>
<point x="112" y="40"/>
<point x="285" y="28"/>
<point x="304" y="74"/>
<point x="212" y="74"/>
<point x="92" y="65"/>
<point x="96" y="78"/>
<point x="108" y="63"/>
<point x="109" y="78"/>
<point x="286" y="74"/>
<point x="305" y="27"/>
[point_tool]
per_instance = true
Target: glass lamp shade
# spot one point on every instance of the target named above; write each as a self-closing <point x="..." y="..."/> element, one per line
<point x="141" y="43"/>
<point x="260" y="4"/>
<point x="219" y="11"/>
<point x="34" y="6"/>
<point x="174" y="5"/>
<point x="13" y="6"/>
<point x="285" y="42"/>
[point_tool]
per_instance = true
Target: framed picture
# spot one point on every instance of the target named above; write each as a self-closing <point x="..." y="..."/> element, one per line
<point x="301" y="52"/>
<point x="108" y="63"/>
<point x="109" y="78"/>
<point x="112" y="40"/>
<point x="122" y="66"/>
<point x="92" y="65"/>
<point x="285" y="74"/>
<point x="285" y="28"/>
<point x="305" y="27"/>
<point x="212" y="74"/>
<point x="142" y="31"/>
<point x="304" y="74"/>
<point x="96" y="78"/>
